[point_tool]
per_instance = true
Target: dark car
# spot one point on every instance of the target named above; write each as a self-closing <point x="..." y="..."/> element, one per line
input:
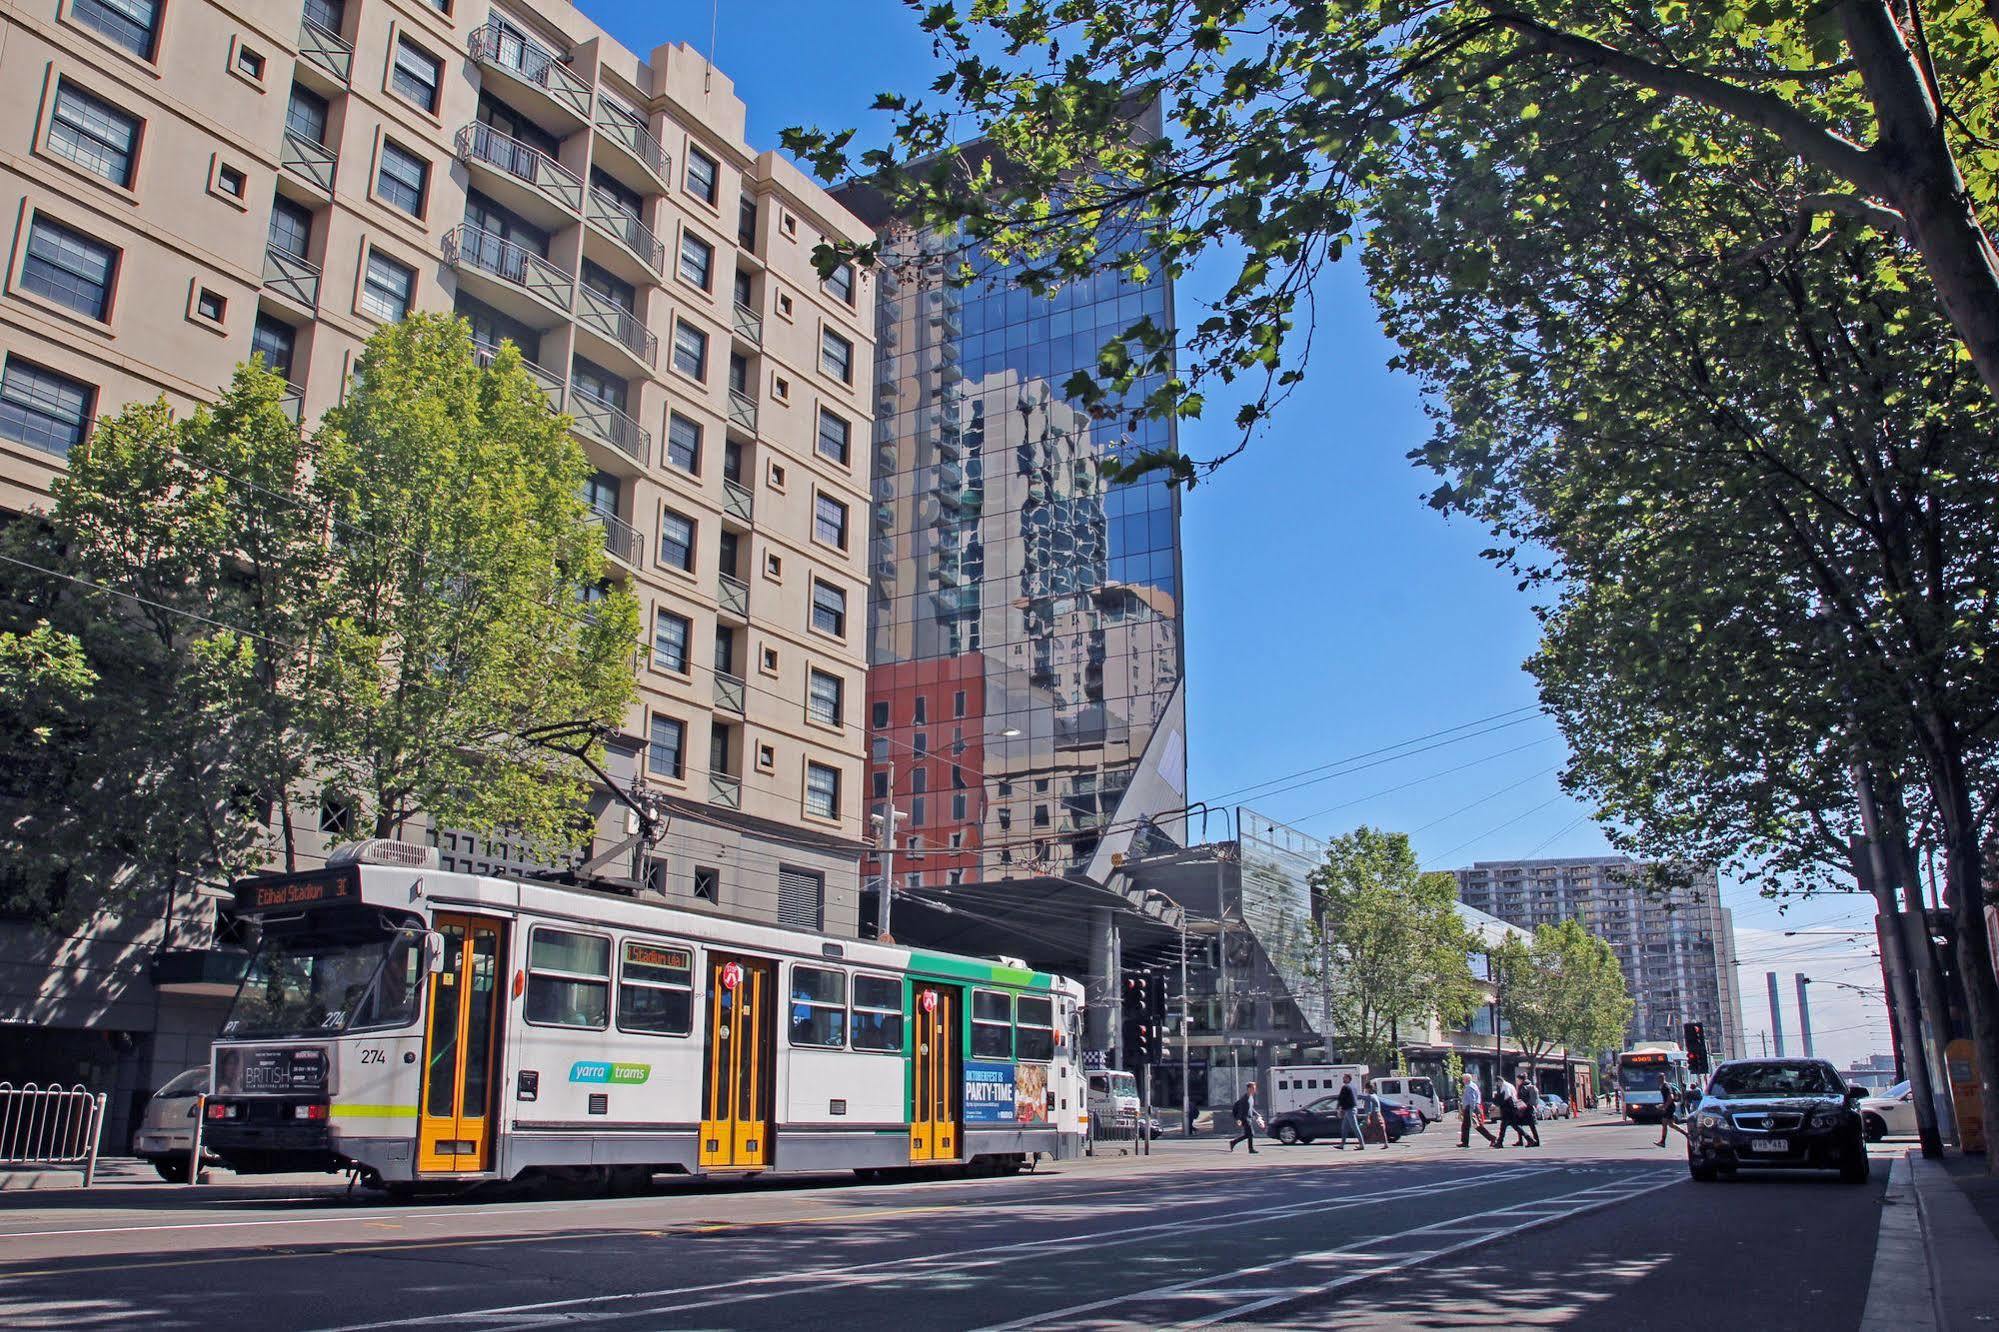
<point x="1793" y="1114"/>
<point x="1321" y="1119"/>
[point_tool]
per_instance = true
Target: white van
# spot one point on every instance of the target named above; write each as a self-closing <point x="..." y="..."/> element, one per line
<point x="1114" y="1099"/>
<point x="1295" y="1085"/>
<point x="1419" y="1094"/>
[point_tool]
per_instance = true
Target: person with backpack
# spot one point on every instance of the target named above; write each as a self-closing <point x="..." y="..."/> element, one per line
<point x="1348" y="1124"/>
<point x="1667" y="1118"/>
<point x="1245" y="1114"/>
<point x="1530" y="1113"/>
<point x="1470" y="1105"/>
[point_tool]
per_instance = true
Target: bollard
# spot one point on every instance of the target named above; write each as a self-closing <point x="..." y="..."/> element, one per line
<point x="194" y="1149"/>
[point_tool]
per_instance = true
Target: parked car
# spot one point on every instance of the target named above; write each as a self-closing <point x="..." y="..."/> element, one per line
<point x="1321" y="1119"/>
<point x="165" y="1134"/>
<point x="1782" y="1113"/>
<point x="1893" y="1111"/>
<point x="1552" y="1107"/>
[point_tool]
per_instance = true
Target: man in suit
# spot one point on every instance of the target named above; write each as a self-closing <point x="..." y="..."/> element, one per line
<point x="1244" y="1111"/>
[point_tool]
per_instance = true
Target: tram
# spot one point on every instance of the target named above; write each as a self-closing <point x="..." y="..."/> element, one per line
<point x="419" y="1026"/>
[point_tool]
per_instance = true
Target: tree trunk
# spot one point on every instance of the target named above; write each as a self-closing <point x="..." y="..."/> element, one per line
<point x="1924" y="184"/>
<point x="1918" y="951"/>
<point x="1894" y="960"/>
<point x="1964" y="880"/>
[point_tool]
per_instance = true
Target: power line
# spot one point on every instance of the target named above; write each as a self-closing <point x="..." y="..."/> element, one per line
<point x="1501" y="827"/>
<point x="1446" y="772"/>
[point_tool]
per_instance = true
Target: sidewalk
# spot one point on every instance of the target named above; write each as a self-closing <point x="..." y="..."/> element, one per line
<point x="1957" y="1203"/>
<point x="123" y="1174"/>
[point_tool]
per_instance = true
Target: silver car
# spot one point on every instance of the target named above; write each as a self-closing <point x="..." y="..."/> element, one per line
<point x="166" y="1132"/>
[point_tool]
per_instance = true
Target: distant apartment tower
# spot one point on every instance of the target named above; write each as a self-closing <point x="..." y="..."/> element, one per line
<point x="191" y="183"/>
<point x="1677" y="950"/>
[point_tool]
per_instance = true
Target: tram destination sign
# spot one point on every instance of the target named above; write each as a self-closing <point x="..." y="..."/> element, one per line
<point x="296" y="891"/>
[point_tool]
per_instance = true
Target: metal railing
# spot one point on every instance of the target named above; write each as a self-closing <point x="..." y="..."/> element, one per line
<point x="729" y="692"/>
<point x="51" y="1126"/>
<point x="734" y="596"/>
<point x="289" y="275"/>
<point x="749" y="323"/>
<point x="626" y="229"/>
<point x="328" y="50"/>
<point x="601" y="314"/>
<point x="621" y="539"/>
<point x="531" y="63"/>
<point x="480" y="142"/>
<point x="743" y="410"/>
<point x="292" y="403"/>
<point x="602" y="421"/>
<point x="551" y="383"/>
<point x="309" y="160"/>
<point x="725" y="790"/>
<point x="634" y="140"/>
<point x="467" y="246"/>
<point x="737" y="500"/>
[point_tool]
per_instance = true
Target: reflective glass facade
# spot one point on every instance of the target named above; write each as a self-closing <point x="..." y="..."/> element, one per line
<point x="1024" y="618"/>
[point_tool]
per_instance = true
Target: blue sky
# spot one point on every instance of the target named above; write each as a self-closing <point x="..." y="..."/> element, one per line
<point x="1329" y="611"/>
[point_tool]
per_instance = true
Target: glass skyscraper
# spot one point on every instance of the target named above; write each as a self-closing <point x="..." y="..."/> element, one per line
<point x="1025" y="648"/>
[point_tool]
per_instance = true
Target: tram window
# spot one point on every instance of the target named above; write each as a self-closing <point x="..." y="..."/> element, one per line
<point x="1035" y="1038"/>
<point x="992" y="1025"/>
<point x="656" y="989"/>
<point x="569" y="979"/>
<point x="818" y="1007"/>
<point x="878" y="1013"/>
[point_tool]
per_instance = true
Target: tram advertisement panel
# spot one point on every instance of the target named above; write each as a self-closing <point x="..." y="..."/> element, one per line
<point x="1030" y="1094"/>
<point x="989" y="1094"/>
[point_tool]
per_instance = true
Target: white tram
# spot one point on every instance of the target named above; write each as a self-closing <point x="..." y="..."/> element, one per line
<point x="422" y="1026"/>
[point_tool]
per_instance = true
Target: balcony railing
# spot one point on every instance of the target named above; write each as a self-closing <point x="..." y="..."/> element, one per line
<point x="551" y="383"/>
<point x="749" y="323"/>
<point x="743" y="410"/>
<point x="634" y="140"/>
<point x="729" y="693"/>
<point x="602" y="421"/>
<point x="737" y="500"/>
<point x="725" y="790"/>
<point x="311" y="161"/>
<point x="621" y="539"/>
<point x="626" y="230"/>
<point x="599" y="313"/>
<point x="734" y="596"/>
<point x="531" y="63"/>
<point x="289" y="275"/>
<point x="328" y="50"/>
<point x="467" y="246"/>
<point x="555" y="182"/>
<point x="292" y="403"/>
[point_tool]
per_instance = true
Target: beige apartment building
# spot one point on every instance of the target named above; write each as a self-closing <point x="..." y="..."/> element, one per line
<point x="189" y="182"/>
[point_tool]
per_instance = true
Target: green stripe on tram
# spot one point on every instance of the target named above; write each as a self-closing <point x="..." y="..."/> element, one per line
<point x="972" y="969"/>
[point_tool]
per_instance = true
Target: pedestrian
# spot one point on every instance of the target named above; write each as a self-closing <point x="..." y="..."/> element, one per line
<point x="1667" y="1119"/>
<point x="1377" y="1118"/>
<point x="1506" y="1107"/>
<point x="1470" y="1112"/>
<point x="1348" y="1124"/>
<point x="1245" y="1114"/>
<point x="1530" y="1112"/>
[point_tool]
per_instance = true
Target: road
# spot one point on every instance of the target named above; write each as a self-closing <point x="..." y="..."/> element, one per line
<point x="1598" y="1225"/>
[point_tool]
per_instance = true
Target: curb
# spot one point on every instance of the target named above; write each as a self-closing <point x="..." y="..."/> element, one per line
<point x="1962" y="1260"/>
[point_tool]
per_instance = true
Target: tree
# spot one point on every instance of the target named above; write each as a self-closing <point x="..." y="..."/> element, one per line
<point x="1393" y="948"/>
<point x="1280" y="116"/>
<point x="1562" y="987"/>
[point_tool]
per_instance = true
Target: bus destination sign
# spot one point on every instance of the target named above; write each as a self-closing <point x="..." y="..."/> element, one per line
<point x="296" y="891"/>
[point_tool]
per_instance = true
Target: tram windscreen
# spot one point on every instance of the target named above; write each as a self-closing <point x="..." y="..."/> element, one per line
<point x="317" y="981"/>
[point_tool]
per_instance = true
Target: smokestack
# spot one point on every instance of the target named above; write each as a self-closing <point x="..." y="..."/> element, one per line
<point x="1776" y="1015"/>
<point x="1804" y="1013"/>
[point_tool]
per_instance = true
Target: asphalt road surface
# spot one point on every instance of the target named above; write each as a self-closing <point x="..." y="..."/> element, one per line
<point x="1598" y="1227"/>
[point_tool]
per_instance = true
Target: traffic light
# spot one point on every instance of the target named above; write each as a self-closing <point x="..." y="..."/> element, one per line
<point x="1155" y="1001"/>
<point x="1695" y="1039"/>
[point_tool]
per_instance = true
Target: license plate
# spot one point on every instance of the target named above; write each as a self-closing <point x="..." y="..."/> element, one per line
<point x="1770" y="1145"/>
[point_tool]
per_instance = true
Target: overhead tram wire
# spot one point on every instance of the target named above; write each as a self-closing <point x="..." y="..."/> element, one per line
<point x="1501" y="827"/>
<point x="1404" y="786"/>
<point x="1494" y="795"/>
<point x="1352" y="763"/>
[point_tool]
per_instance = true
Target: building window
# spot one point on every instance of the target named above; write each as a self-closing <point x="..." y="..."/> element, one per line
<point x="569" y="979"/>
<point x="957" y="810"/>
<point x="707" y="883"/>
<point x="690" y="350"/>
<point x="836" y="356"/>
<point x="822" y="791"/>
<point x="656" y="987"/>
<point x="210" y="305"/>
<point x="291" y="228"/>
<point x="920" y="709"/>
<point x="327" y="15"/>
<point x="829" y="609"/>
<point x="703" y="175"/>
<point x="306" y="115"/>
<point x="992" y="1025"/>
<point x="417" y="74"/>
<point x="958" y="704"/>
<point x="43" y="409"/>
<point x="336" y="816"/>
<point x="917" y="815"/>
<point x="231" y="181"/>
<point x="69" y="268"/>
<point x="697" y="260"/>
<point x="683" y="443"/>
<point x="836" y="435"/>
<point x="818" y="1007"/>
<point x="822" y="701"/>
<point x="841" y="284"/>
<point x="829" y="520"/>
<point x="877" y="1022"/>
<point x="132" y="24"/>
<point x="93" y="134"/>
<point x="250" y="63"/>
<point x="670" y="634"/>
<point x="666" y="754"/>
<point x="403" y="179"/>
<point x="275" y="341"/>
<point x="801" y="897"/>
<point x="881" y="785"/>
<point x="386" y="291"/>
<point x="919" y="781"/>
<point x="676" y="540"/>
<point x="878" y="714"/>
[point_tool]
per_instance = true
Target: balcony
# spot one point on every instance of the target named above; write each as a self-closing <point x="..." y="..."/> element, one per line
<point x="622" y="541"/>
<point x="725" y="790"/>
<point x="615" y="324"/>
<point x="551" y="383"/>
<point x="328" y="52"/>
<point x="632" y="139"/>
<point x="534" y="66"/>
<point x="605" y="214"/>
<point x="729" y="693"/>
<point x="743" y="410"/>
<point x="608" y="425"/>
<point x="530" y="179"/>
<point x="732" y="595"/>
<point x="291" y="277"/>
<point x="311" y="162"/>
<point x="749" y="324"/>
<point x="531" y="285"/>
<point x="738" y="501"/>
<point x="292" y="403"/>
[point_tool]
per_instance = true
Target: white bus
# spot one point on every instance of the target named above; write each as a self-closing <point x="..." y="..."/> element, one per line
<point x="1638" y="1072"/>
<point x="422" y="1027"/>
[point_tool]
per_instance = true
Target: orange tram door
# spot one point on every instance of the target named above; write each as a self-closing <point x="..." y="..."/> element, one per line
<point x="935" y="1133"/>
<point x="737" y="1093"/>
